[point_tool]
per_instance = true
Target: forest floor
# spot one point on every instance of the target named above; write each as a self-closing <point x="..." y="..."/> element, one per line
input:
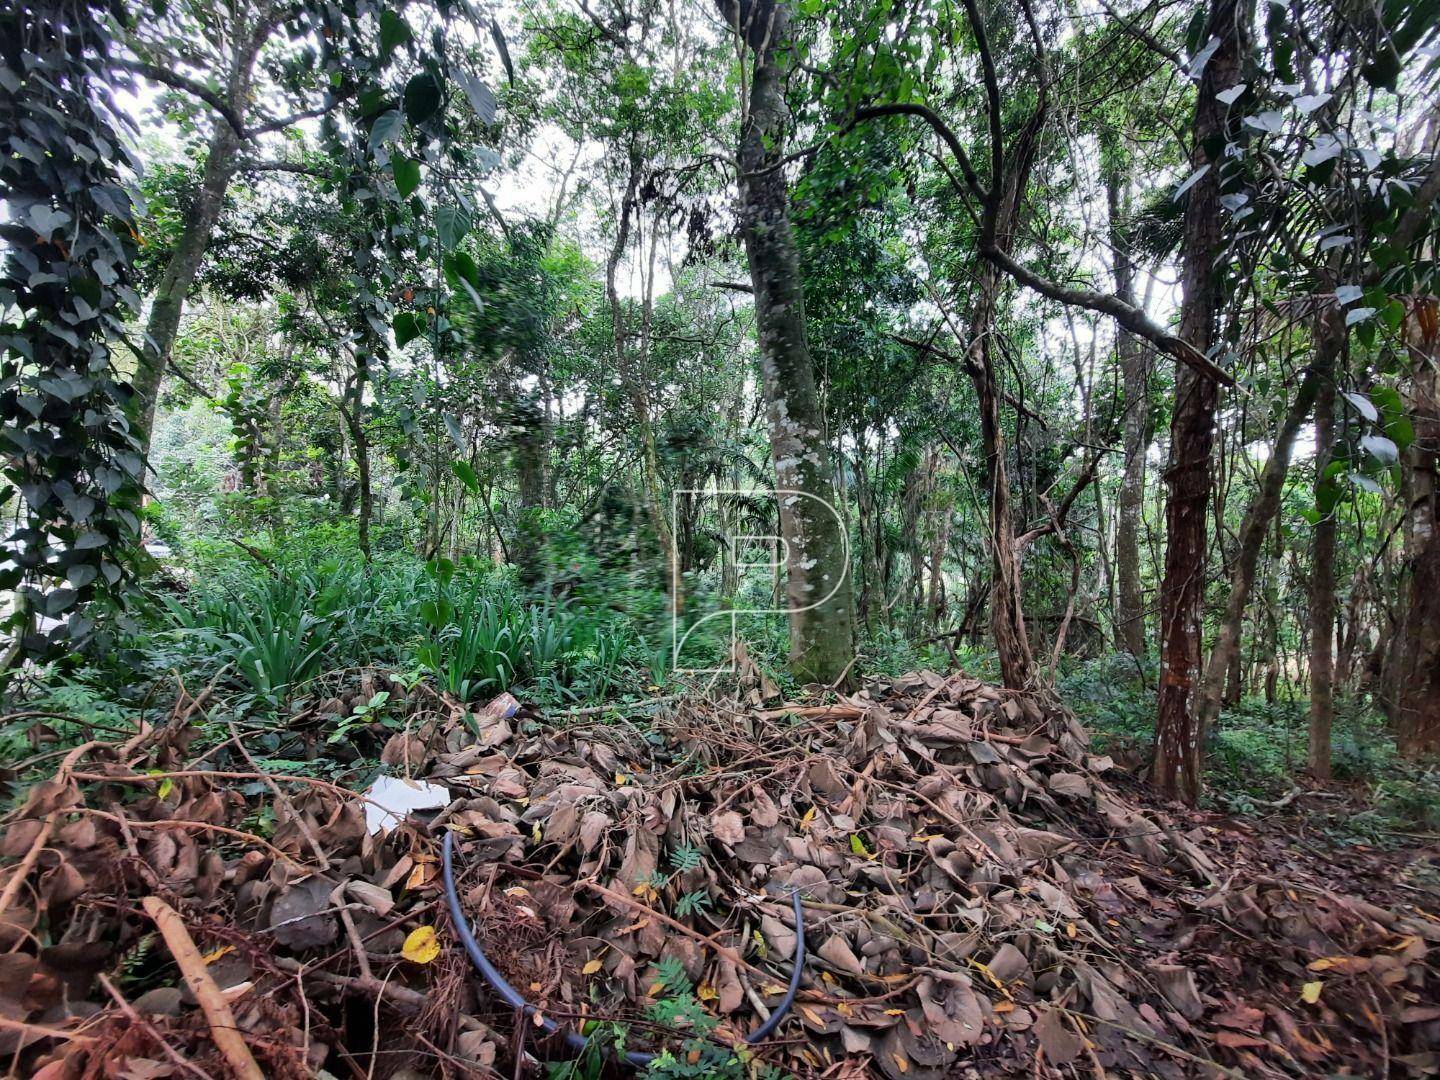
<point x="981" y="894"/>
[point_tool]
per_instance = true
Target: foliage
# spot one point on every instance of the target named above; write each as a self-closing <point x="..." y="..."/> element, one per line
<point x="71" y="460"/>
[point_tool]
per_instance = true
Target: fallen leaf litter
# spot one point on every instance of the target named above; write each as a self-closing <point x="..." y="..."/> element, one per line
<point x="982" y="894"/>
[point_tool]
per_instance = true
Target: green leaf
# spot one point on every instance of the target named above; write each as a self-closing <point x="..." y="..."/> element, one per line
<point x="478" y="94"/>
<point x="452" y="223"/>
<point x="394" y="32"/>
<point x="459" y="266"/>
<point x="407" y="174"/>
<point x="466" y="474"/>
<point x="1381" y="449"/>
<point x="386" y="129"/>
<point x="423" y="95"/>
<point x="407" y="326"/>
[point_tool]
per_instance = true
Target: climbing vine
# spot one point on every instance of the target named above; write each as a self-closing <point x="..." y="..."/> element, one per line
<point x="72" y="464"/>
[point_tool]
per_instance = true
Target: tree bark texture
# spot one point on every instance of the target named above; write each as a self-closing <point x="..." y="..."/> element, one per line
<point x="1413" y="663"/>
<point x="1178" y="751"/>
<point x="818" y="586"/>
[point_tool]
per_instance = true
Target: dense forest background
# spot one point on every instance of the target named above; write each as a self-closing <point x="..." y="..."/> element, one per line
<point x="1109" y="337"/>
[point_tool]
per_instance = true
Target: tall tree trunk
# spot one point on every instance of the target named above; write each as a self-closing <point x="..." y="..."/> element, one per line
<point x="1178" y="750"/>
<point x="1134" y="372"/>
<point x="818" y="587"/>
<point x="1253" y="529"/>
<point x="1330" y="335"/>
<point x="1007" y="615"/>
<point x="222" y="159"/>
<point x="1413" y="662"/>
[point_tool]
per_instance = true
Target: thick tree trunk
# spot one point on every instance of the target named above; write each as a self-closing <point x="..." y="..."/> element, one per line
<point x="1134" y="372"/>
<point x="1178" y="750"/>
<point x="168" y="303"/>
<point x="1413" y="662"/>
<point x="818" y="588"/>
<point x="1253" y="529"/>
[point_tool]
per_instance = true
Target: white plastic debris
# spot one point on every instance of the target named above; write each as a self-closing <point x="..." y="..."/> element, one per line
<point x="392" y="799"/>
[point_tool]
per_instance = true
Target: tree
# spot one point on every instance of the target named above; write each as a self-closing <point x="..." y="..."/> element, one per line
<point x="818" y="584"/>
<point x="224" y="41"/>
<point x="1135" y="374"/>
<point x="1178" y="740"/>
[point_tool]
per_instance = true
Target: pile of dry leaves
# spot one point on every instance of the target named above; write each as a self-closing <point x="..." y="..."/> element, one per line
<point x="983" y="896"/>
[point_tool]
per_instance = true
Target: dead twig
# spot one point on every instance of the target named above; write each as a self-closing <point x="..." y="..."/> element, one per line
<point x="228" y="1039"/>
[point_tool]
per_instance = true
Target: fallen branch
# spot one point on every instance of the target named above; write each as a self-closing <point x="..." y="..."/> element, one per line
<point x="22" y="871"/>
<point x="228" y="1039"/>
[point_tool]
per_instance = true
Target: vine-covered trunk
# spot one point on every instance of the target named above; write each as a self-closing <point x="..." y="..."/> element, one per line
<point x="1182" y="587"/>
<point x="818" y="585"/>
<point x="1007" y="615"/>
<point x="353" y="411"/>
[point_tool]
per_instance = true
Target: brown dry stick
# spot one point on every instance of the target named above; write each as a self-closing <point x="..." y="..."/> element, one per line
<point x="217" y="1010"/>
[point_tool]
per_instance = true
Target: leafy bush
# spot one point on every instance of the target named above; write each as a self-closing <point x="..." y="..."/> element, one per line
<point x="271" y="635"/>
<point x="474" y="646"/>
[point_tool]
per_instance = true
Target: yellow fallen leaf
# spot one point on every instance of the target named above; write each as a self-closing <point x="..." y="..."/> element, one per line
<point x="420" y="876"/>
<point x="621" y="779"/>
<point x="421" y="946"/>
<point x="211" y="957"/>
<point x="900" y="1063"/>
<point x="808" y="819"/>
<point x="706" y="992"/>
<point x="592" y="967"/>
<point x="1310" y="992"/>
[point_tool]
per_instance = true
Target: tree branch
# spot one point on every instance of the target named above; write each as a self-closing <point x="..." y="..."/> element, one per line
<point x="924" y="112"/>
<point x="992" y="94"/>
<point x="287" y="167"/>
<point x="180" y="82"/>
<point x="1129" y="317"/>
<point x="971" y="367"/>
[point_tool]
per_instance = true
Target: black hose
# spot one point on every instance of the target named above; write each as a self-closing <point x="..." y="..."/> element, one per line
<point x="574" y="1039"/>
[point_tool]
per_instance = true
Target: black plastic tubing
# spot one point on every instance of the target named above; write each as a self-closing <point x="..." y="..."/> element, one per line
<point x="577" y="1042"/>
